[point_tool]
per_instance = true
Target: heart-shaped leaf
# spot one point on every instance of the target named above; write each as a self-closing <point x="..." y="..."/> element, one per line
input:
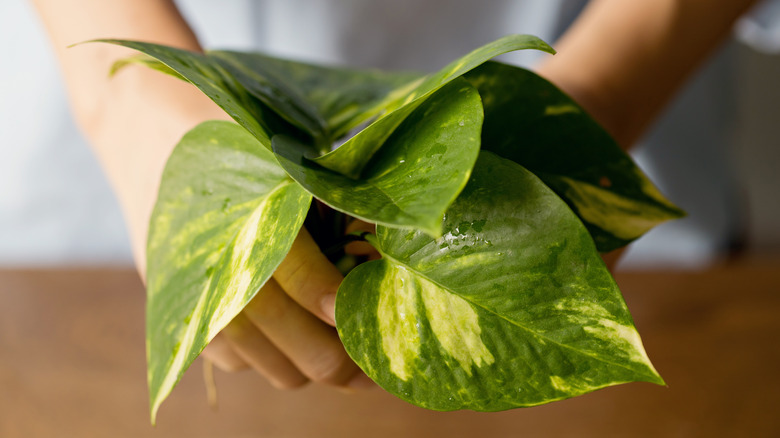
<point x="530" y="121"/>
<point x="351" y="158"/>
<point x="225" y="217"/>
<point x="511" y="307"/>
<point x="417" y="173"/>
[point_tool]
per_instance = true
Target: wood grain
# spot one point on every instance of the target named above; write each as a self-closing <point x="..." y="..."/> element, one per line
<point x="72" y="365"/>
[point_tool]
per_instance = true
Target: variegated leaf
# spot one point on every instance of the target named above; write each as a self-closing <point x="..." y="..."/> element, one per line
<point x="343" y="97"/>
<point x="214" y="81"/>
<point x="416" y="174"/>
<point x="225" y="218"/>
<point x="528" y="120"/>
<point x="324" y="102"/>
<point x="351" y="158"/>
<point x="511" y="307"/>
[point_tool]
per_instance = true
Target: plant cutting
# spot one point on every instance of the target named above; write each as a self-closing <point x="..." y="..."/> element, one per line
<point x="493" y="195"/>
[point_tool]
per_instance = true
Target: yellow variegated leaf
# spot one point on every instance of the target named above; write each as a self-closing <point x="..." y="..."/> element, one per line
<point x="531" y="122"/>
<point x="511" y="307"/>
<point x="225" y="218"/>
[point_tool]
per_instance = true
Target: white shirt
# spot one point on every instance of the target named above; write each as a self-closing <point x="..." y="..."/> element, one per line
<point x="56" y="206"/>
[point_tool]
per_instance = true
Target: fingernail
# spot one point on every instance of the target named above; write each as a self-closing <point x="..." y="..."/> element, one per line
<point x="328" y="304"/>
<point x="361" y="381"/>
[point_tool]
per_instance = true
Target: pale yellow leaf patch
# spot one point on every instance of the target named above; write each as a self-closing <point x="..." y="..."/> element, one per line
<point x="625" y="218"/>
<point x="454" y="323"/>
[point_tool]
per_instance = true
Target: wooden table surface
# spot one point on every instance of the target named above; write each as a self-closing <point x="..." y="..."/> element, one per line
<point x="72" y="365"/>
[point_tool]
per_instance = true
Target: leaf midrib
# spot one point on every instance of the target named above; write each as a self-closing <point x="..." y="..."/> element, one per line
<point x="160" y="393"/>
<point x="515" y="323"/>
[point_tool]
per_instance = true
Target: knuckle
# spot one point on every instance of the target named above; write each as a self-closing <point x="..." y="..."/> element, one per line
<point x="237" y="330"/>
<point x="264" y="309"/>
<point x="231" y="367"/>
<point x="331" y="367"/>
<point x="294" y="270"/>
<point x="289" y="384"/>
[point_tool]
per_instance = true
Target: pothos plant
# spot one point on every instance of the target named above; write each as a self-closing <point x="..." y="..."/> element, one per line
<point x="493" y="194"/>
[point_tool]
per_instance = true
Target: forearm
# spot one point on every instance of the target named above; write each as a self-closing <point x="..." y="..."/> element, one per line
<point x="623" y="60"/>
<point x="134" y="119"/>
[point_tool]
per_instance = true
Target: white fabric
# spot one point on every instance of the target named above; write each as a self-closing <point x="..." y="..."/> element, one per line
<point x="761" y="27"/>
<point x="56" y="208"/>
<point x="55" y="205"/>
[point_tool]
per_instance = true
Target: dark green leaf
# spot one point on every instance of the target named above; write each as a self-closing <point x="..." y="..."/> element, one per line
<point x="529" y="121"/>
<point x="272" y="90"/>
<point x="417" y="173"/>
<point x="225" y="218"/>
<point x="511" y="307"/>
<point x="220" y="86"/>
<point x="343" y="97"/>
<point x="351" y="157"/>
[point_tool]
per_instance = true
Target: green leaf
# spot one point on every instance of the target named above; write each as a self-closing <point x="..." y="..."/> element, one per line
<point x="351" y="158"/>
<point x="417" y="173"/>
<point x="273" y="91"/>
<point x="343" y="97"/>
<point x="220" y="86"/>
<point x="511" y="307"/>
<point x="146" y="61"/>
<point x="225" y="218"/>
<point x="530" y="121"/>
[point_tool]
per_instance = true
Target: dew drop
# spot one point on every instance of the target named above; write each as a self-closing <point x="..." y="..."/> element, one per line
<point x="461" y="123"/>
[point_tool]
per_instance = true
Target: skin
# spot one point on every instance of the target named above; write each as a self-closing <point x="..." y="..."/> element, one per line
<point x="621" y="60"/>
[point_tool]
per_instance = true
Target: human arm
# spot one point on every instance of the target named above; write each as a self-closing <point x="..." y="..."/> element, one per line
<point x="624" y="60"/>
<point x="132" y="122"/>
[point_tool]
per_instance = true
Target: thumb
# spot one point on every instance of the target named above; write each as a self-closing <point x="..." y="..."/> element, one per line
<point x="309" y="278"/>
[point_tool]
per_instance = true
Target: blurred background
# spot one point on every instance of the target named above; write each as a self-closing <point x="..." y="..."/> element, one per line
<point x="713" y="153"/>
<point x="71" y="306"/>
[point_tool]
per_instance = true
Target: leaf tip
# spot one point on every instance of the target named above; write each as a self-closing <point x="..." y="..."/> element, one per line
<point x="153" y="414"/>
<point x="97" y="40"/>
<point x="654" y="376"/>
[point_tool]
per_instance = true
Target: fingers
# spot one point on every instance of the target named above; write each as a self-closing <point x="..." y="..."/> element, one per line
<point x="258" y="351"/>
<point x="310" y="345"/>
<point x="309" y="278"/>
<point x="283" y="333"/>
<point x="220" y="352"/>
<point x="361" y="248"/>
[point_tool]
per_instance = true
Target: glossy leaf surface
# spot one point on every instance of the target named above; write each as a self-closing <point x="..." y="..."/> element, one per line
<point x="220" y="86"/>
<point x="351" y="158"/>
<point x="511" y="307"/>
<point x="529" y="121"/>
<point x="343" y="98"/>
<point x="416" y="174"/>
<point x="225" y="218"/>
<point x="276" y="94"/>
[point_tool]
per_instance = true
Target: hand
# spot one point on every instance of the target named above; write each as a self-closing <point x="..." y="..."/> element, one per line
<point x="286" y="332"/>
